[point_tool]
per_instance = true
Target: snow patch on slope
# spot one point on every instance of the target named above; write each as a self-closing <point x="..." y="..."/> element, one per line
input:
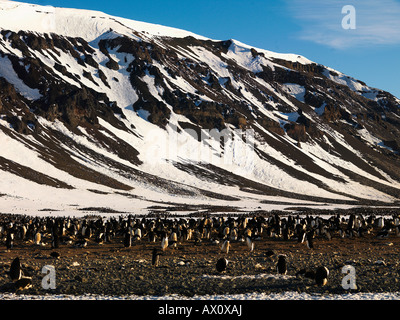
<point x="87" y="24"/>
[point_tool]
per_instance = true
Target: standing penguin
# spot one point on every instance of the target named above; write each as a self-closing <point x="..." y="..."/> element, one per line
<point x="38" y="238"/>
<point x="221" y="264"/>
<point x="55" y="241"/>
<point x="10" y="240"/>
<point x="15" y="270"/>
<point x="155" y="259"/>
<point x="250" y="243"/>
<point x="173" y="240"/>
<point x="321" y="276"/>
<point x="164" y="242"/>
<point x="310" y="239"/>
<point x="225" y="246"/>
<point x="127" y="239"/>
<point x="281" y="266"/>
<point x="21" y="281"/>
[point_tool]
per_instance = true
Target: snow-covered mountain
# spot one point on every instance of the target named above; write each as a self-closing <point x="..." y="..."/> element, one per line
<point x="103" y="113"/>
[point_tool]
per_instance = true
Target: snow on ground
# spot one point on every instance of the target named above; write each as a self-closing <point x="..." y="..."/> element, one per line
<point x="76" y="22"/>
<point x="289" y="295"/>
<point x="295" y="90"/>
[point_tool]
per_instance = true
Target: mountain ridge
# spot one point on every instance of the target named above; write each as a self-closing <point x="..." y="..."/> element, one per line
<point x="131" y="119"/>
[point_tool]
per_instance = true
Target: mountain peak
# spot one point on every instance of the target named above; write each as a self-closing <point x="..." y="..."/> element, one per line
<point x="87" y="24"/>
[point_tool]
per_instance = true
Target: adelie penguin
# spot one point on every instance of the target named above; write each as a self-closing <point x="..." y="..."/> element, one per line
<point x="55" y="255"/>
<point x="164" y="242"/>
<point x="127" y="239"/>
<point x="17" y="275"/>
<point x="221" y="264"/>
<point x="10" y="241"/>
<point x="225" y="246"/>
<point x="250" y="244"/>
<point x="23" y="283"/>
<point x="55" y="241"/>
<point x="16" y="270"/>
<point x="281" y="266"/>
<point x="269" y="253"/>
<point x="155" y="259"/>
<point x="321" y="276"/>
<point x="310" y="239"/>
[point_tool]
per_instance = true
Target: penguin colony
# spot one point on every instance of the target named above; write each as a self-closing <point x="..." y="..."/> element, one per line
<point x="168" y="233"/>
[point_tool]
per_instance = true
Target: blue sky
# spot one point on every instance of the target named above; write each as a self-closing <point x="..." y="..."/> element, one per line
<point x="312" y="28"/>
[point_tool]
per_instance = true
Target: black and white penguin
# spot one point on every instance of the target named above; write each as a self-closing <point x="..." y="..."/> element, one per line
<point x="16" y="270"/>
<point x="310" y="239"/>
<point x="38" y="238"/>
<point x="173" y="240"/>
<point x="127" y="239"/>
<point x="221" y="264"/>
<point x="310" y="274"/>
<point x="281" y="266"/>
<point x="10" y="240"/>
<point x="225" y="246"/>
<point x="152" y="236"/>
<point x="20" y="278"/>
<point x="137" y="234"/>
<point x="23" y="283"/>
<point x="269" y="253"/>
<point x="302" y="236"/>
<point x="164" y="242"/>
<point x="155" y="259"/>
<point x="250" y="243"/>
<point x="321" y="276"/>
<point x="55" y="254"/>
<point x="80" y="243"/>
<point x="55" y="241"/>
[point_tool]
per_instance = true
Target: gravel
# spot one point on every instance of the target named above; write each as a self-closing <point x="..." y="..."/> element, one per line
<point x="189" y="270"/>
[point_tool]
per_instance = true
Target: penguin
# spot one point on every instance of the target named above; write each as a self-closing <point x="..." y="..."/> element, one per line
<point x="302" y="236"/>
<point x="10" y="241"/>
<point x="164" y="242"/>
<point x="225" y="246"/>
<point x="16" y="270"/>
<point x="380" y="222"/>
<point x="173" y="240"/>
<point x="80" y="243"/>
<point x="309" y="239"/>
<point x="221" y="265"/>
<point x="127" y="239"/>
<point x="23" y="283"/>
<point x="269" y="253"/>
<point x="99" y="238"/>
<point x="152" y="236"/>
<point x="382" y="234"/>
<point x="233" y="236"/>
<point x="21" y="280"/>
<point x="55" y="242"/>
<point x="137" y="235"/>
<point x="155" y="259"/>
<point x="55" y="254"/>
<point x="281" y="266"/>
<point x="226" y="232"/>
<point x="327" y="234"/>
<point x="38" y="238"/>
<point x="250" y="244"/>
<point x="310" y="274"/>
<point x="321" y="276"/>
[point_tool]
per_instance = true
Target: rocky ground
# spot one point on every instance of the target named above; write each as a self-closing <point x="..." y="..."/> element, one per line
<point x="189" y="269"/>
